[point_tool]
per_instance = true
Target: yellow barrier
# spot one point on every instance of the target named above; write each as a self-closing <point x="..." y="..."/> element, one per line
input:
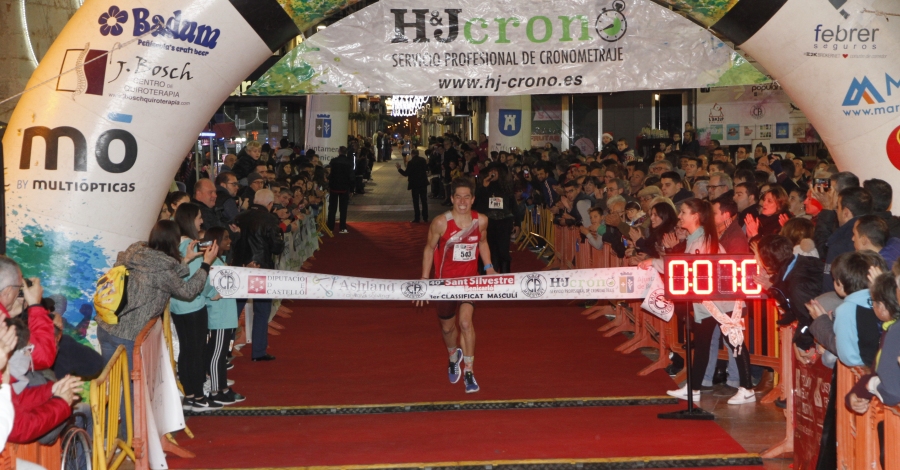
<point x="107" y="394"/>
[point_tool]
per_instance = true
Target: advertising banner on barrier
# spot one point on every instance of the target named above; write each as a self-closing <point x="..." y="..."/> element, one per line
<point x="505" y="48"/>
<point x="812" y="384"/>
<point x="606" y="283"/>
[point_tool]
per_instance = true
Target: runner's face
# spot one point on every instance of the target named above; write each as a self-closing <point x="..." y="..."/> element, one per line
<point x="462" y="200"/>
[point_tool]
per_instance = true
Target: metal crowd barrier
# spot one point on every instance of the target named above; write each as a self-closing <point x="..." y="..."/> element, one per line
<point x="108" y="392"/>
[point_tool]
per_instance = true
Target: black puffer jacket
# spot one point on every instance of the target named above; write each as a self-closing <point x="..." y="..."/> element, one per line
<point x="244" y="166"/>
<point x="802" y="284"/>
<point x="261" y="237"/>
<point x="341" y="178"/>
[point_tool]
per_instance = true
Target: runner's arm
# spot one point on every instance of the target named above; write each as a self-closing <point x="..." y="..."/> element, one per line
<point x="435" y="230"/>
<point x="483" y="248"/>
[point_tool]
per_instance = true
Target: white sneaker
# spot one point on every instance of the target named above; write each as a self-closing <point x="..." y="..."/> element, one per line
<point x="681" y="394"/>
<point x="230" y="382"/>
<point x="742" y="396"/>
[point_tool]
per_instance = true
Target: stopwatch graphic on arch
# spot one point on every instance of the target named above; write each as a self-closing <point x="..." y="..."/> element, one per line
<point x="611" y="23"/>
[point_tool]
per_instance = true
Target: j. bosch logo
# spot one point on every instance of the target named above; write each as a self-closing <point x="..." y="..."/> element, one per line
<point x="865" y="96"/>
<point x="175" y="27"/>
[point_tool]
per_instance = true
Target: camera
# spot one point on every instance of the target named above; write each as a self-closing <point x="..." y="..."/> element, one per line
<point x="204" y="245"/>
<point x="824" y="184"/>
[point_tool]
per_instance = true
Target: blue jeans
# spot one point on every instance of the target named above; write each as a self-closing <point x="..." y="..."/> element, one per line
<point x="262" y="308"/>
<point x="109" y="343"/>
<point x="714" y="358"/>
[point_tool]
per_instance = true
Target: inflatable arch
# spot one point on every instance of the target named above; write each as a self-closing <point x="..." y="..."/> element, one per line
<point x="128" y="85"/>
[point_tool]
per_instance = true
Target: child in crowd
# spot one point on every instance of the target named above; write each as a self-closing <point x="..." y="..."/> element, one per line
<point x="857" y="329"/>
<point x="635" y="216"/>
<point x="800" y="232"/>
<point x="594" y="233"/>
<point x="885" y="383"/>
<point x="222" y="321"/>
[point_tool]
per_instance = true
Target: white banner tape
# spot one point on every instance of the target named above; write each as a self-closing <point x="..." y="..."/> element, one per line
<point x="607" y="283"/>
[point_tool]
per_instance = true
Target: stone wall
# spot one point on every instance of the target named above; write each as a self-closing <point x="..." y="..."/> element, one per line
<point x="27" y="29"/>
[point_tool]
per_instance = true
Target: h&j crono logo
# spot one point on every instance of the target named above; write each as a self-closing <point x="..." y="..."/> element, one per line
<point x="444" y="26"/>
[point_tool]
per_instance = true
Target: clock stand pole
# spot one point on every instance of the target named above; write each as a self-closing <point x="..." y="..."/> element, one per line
<point x="693" y="413"/>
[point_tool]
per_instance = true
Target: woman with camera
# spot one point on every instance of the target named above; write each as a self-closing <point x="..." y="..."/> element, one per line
<point x="189" y="315"/>
<point x="156" y="272"/>
<point x="494" y="197"/>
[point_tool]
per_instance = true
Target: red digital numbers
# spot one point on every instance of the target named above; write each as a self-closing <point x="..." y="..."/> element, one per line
<point x="711" y="277"/>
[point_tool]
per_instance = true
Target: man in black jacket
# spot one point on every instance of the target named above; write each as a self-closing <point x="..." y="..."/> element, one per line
<point x="205" y="197"/>
<point x="260" y="241"/>
<point x="417" y="174"/>
<point x="247" y="160"/>
<point x="340" y="183"/>
<point x="851" y="204"/>
<point x="796" y="280"/>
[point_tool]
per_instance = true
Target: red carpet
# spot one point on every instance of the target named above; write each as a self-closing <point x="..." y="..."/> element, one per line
<point x="343" y="352"/>
<point x="225" y="442"/>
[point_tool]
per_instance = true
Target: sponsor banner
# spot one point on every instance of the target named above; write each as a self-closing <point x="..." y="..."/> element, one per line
<point x="326" y="127"/>
<point x="748" y="114"/>
<point x="812" y="385"/>
<point x="110" y="112"/>
<point x="839" y="63"/>
<point x="607" y="283"/>
<point x="505" y="48"/>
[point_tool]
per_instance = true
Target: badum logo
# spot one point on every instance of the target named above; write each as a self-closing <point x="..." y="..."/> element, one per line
<point x="112" y="20"/>
<point x="865" y="97"/>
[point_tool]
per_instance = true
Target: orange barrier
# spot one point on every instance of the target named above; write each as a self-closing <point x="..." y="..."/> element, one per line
<point x="892" y="435"/>
<point x="49" y="457"/>
<point x="857" y="435"/>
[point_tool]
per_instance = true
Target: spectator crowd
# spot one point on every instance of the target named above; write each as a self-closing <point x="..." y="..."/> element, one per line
<point x="828" y="242"/>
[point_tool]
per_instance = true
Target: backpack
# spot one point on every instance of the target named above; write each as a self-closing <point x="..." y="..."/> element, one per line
<point x="112" y="295"/>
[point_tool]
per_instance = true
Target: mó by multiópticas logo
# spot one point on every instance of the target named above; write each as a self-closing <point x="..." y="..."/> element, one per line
<point x="444" y="25"/>
<point x="175" y="27"/>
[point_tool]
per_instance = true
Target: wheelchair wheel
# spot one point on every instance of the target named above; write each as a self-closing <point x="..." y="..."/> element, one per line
<point x="76" y="449"/>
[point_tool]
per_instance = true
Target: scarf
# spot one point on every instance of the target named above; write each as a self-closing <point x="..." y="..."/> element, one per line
<point x="733" y="326"/>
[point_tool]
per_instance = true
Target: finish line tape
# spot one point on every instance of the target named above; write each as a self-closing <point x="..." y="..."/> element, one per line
<point x="627" y="283"/>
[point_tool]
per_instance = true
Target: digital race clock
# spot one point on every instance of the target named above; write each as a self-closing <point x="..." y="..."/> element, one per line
<point x="711" y="277"/>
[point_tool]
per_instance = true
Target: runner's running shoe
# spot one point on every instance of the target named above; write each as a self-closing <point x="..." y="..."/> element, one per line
<point x="454" y="370"/>
<point x="471" y="384"/>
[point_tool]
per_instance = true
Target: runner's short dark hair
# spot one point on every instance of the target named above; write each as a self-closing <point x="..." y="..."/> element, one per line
<point x="462" y="182"/>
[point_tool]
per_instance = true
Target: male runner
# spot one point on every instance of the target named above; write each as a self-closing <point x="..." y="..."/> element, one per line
<point x="455" y="241"/>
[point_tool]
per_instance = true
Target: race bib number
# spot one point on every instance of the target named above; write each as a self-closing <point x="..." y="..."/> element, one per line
<point x="495" y="203"/>
<point x="464" y="251"/>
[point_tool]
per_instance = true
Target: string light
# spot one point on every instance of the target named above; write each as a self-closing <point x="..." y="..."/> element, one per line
<point x="27" y="35"/>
